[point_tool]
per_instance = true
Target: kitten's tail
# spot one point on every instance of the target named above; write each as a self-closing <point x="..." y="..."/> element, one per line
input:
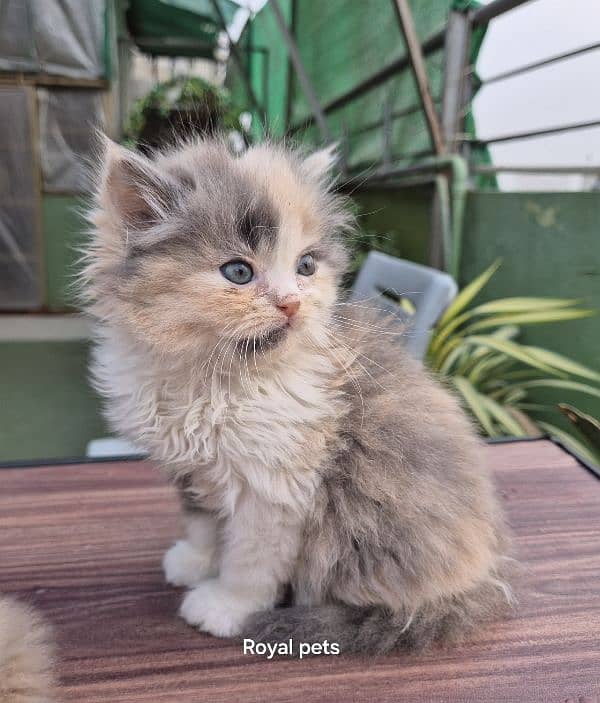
<point x="25" y="655"/>
<point x="378" y="630"/>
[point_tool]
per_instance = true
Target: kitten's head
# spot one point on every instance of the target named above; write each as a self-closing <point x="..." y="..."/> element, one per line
<point x="198" y="248"/>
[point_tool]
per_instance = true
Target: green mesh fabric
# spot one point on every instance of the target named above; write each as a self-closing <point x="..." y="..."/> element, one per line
<point x="342" y="44"/>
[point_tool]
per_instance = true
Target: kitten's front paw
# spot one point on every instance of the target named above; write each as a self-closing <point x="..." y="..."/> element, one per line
<point x="216" y="610"/>
<point x="186" y="566"/>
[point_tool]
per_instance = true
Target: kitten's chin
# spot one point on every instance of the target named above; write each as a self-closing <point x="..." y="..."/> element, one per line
<point x="267" y="341"/>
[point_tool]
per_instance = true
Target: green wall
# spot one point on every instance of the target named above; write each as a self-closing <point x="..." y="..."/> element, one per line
<point x="48" y="409"/>
<point x="394" y="221"/>
<point x="63" y="227"/>
<point x="550" y="246"/>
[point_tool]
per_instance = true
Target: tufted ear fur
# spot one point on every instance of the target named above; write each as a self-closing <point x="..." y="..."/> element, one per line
<point x="319" y="164"/>
<point x="134" y="188"/>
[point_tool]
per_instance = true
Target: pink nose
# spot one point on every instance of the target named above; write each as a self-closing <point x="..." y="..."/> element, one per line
<point x="289" y="307"/>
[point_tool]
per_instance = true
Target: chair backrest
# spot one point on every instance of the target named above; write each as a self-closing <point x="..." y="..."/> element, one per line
<point x="417" y="294"/>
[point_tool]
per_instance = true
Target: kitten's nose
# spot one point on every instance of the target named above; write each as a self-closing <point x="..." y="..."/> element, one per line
<point x="289" y="306"/>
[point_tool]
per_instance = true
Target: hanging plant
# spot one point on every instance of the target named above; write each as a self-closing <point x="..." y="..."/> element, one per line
<point x="180" y="108"/>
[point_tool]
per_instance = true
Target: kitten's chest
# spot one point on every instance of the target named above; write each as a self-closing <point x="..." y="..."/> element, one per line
<point x="270" y="437"/>
<point x="270" y="441"/>
<point x="270" y="425"/>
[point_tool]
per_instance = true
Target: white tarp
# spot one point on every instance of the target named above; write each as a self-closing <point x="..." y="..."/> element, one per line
<point x="20" y="251"/>
<point x="68" y="120"/>
<point x="57" y="37"/>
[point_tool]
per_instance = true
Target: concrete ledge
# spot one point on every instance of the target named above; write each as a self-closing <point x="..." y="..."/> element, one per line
<point x="44" y="328"/>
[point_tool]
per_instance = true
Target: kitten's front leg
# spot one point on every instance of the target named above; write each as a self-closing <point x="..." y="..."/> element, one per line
<point x="189" y="561"/>
<point x="261" y="544"/>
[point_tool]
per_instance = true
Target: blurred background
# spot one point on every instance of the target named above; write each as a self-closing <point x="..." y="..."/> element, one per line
<point x="469" y="136"/>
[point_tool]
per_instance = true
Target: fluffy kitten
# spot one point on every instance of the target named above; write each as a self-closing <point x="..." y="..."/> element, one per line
<point x="308" y="448"/>
<point x="25" y="655"/>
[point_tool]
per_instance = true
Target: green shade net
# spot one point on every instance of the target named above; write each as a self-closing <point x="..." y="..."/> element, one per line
<point x="342" y="44"/>
<point x="188" y="28"/>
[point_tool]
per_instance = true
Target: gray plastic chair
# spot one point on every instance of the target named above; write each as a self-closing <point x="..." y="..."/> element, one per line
<point x="384" y="281"/>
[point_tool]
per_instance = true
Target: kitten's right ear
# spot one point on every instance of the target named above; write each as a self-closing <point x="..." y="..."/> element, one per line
<point x="132" y="185"/>
<point x="319" y="164"/>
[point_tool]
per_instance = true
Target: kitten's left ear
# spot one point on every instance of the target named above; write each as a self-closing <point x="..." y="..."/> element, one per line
<point x="135" y="188"/>
<point x="320" y="163"/>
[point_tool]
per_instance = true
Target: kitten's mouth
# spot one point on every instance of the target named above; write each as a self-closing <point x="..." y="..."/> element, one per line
<point x="263" y="342"/>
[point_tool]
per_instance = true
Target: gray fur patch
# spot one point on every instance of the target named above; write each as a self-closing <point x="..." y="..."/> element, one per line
<point x="380" y="630"/>
<point x="214" y="206"/>
<point x="258" y="225"/>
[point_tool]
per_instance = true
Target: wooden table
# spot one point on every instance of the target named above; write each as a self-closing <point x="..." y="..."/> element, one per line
<point x="84" y="544"/>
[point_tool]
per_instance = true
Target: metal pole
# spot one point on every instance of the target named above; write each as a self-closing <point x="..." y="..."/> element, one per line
<point x="387" y="129"/>
<point x="429" y="168"/>
<point x="417" y="62"/>
<point x="542" y="170"/>
<point x="540" y="64"/>
<point x="537" y="133"/>
<point x="458" y="42"/>
<point x="307" y="87"/>
<point x="454" y="97"/>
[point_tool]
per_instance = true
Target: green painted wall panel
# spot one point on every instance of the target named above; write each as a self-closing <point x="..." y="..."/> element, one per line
<point x="550" y="246"/>
<point x="48" y="410"/>
<point x="394" y="221"/>
<point x="64" y="230"/>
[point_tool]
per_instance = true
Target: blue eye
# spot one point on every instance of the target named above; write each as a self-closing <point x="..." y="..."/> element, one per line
<point x="237" y="271"/>
<point x="306" y="265"/>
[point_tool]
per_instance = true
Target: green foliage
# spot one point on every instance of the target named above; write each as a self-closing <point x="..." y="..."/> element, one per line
<point x="476" y="350"/>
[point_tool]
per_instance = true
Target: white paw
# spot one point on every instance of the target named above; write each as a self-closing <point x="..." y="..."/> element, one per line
<point x="214" y="609"/>
<point x="186" y="566"/>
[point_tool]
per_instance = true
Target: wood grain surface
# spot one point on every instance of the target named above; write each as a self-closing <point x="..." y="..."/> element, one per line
<point x="84" y="544"/>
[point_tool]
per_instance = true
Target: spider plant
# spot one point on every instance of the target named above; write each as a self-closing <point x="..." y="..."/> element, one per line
<point x="476" y="350"/>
